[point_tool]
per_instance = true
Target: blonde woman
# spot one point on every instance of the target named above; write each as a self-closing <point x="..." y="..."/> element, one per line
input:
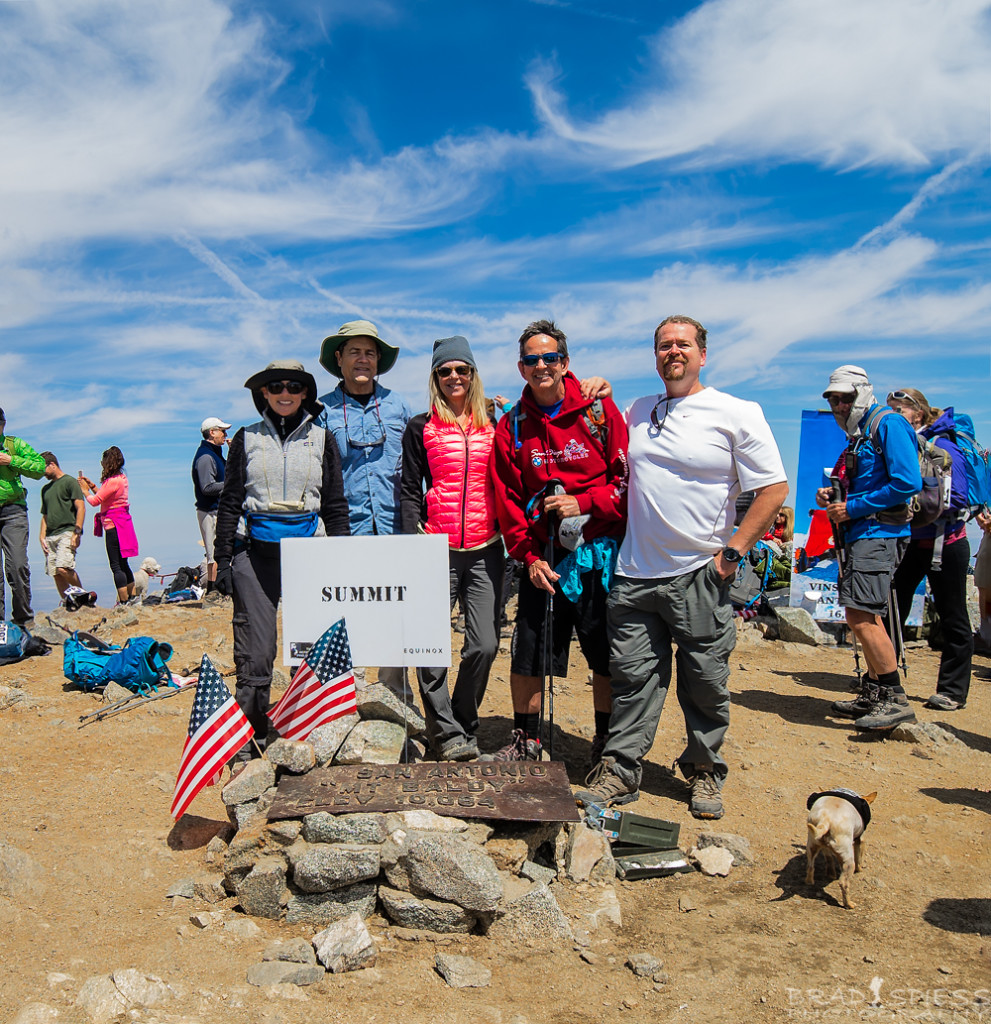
<point x="447" y="488"/>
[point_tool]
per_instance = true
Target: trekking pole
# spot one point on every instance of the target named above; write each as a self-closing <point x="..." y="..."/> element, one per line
<point x="548" y="652"/>
<point x="130" y="704"/>
<point x="895" y="620"/>
<point x="837" y="495"/>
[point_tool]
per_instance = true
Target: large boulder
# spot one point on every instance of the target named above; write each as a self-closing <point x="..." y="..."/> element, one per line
<point x="262" y="892"/>
<point x="409" y="911"/>
<point x="796" y="626"/>
<point x="372" y="743"/>
<point x="378" y="703"/>
<point x="345" y="946"/>
<point x="344" y="828"/>
<point x="326" y="739"/>
<point x="452" y="869"/>
<point x="323" y="908"/>
<point x="534" y="915"/>
<point x="326" y="866"/>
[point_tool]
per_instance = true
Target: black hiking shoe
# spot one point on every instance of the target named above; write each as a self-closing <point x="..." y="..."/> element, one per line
<point x="892" y="709"/>
<point x="870" y="696"/>
<point x="604" y="787"/>
<point x="519" y="748"/>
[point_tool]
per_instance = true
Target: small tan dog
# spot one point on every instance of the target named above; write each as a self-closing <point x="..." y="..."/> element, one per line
<point x="837" y="819"/>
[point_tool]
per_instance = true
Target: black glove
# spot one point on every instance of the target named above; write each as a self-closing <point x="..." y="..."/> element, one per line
<point x="225" y="580"/>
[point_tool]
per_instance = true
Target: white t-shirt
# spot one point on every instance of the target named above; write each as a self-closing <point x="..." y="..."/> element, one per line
<point x="684" y="479"/>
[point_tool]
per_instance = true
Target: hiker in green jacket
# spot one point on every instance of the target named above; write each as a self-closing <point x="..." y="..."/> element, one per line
<point x="17" y="459"/>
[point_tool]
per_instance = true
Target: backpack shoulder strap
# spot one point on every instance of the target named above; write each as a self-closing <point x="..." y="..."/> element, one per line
<point x="517" y="415"/>
<point x="595" y="419"/>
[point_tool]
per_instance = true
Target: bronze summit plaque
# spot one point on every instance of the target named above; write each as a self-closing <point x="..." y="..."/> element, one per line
<point x="511" y="790"/>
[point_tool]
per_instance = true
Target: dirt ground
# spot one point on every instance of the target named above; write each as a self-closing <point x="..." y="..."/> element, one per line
<point x="91" y="807"/>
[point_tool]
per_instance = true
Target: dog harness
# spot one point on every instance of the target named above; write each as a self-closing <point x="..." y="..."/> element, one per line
<point x="862" y="807"/>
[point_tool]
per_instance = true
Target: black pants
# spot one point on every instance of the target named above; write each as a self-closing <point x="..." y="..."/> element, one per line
<point x="123" y="576"/>
<point x="949" y="593"/>
<point x="257" y="586"/>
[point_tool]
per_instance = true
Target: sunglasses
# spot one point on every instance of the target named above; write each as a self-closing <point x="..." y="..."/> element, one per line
<point x="549" y="358"/>
<point x="839" y="399"/>
<point x="903" y="396"/>
<point x="659" y="421"/>
<point x="445" y="371"/>
<point x="294" y="387"/>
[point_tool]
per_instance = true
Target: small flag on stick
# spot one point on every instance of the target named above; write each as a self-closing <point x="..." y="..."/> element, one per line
<point x="321" y="690"/>
<point x="217" y="730"/>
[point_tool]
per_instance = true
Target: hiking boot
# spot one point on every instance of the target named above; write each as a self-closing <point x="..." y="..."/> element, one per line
<point x="706" y="800"/>
<point x="460" y="748"/>
<point x="892" y="709"/>
<point x="605" y="788"/>
<point x="859" y="706"/>
<point x="598" y="745"/>
<point x="519" y="748"/>
<point x="941" y="702"/>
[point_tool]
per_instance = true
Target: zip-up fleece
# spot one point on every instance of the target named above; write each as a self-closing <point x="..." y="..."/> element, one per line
<point x="24" y="460"/>
<point x="561" y="447"/>
<point x="455" y="467"/>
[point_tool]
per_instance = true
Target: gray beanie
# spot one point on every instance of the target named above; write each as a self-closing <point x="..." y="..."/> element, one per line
<point x="447" y="350"/>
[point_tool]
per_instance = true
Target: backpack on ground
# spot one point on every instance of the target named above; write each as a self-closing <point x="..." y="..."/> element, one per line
<point x="138" y="666"/>
<point x="184" y="578"/>
<point x="977" y="461"/>
<point x="935" y="466"/>
<point x="16" y="643"/>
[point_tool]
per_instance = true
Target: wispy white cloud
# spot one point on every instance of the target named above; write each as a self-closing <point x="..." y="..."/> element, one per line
<point x="895" y="83"/>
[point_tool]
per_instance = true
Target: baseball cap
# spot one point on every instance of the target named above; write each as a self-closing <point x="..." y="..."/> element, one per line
<point x="212" y="423"/>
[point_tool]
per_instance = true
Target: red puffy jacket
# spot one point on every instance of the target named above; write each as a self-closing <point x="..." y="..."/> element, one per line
<point x="455" y="466"/>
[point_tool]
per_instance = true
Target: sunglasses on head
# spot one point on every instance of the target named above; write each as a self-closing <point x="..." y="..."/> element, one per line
<point x="903" y="396"/>
<point x="549" y="358"/>
<point x="294" y="387"/>
<point x="446" y="371"/>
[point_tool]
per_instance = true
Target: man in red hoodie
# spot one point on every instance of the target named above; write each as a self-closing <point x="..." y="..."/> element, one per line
<point x="558" y="456"/>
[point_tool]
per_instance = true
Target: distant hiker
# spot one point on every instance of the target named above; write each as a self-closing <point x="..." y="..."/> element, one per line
<point x="113" y="521"/>
<point x="208" y="481"/>
<point x="63" y="512"/>
<point x="693" y="449"/>
<point x="368" y="422"/>
<point x="881" y="470"/>
<point x="283" y="479"/>
<point x="17" y="459"/>
<point x="447" y="488"/>
<point x="947" y="575"/>
<point x="558" y="456"/>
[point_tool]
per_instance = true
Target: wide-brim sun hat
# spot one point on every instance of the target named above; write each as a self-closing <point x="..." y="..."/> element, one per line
<point x="356" y="329"/>
<point x="845" y="380"/>
<point x="282" y="369"/>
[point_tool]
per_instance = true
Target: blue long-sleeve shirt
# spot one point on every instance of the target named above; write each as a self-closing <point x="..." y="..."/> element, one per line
<point x="884" y="478"/>
<point x="370" y="440"/>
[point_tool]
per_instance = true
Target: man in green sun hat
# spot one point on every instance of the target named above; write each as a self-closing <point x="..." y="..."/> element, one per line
<point x="368" y="422"/>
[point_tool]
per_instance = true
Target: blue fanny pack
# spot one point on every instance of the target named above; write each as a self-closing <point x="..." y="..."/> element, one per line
<point x="270" y="528"/>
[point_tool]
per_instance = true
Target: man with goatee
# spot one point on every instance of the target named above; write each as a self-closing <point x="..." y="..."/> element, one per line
<point x="692" y="450"/>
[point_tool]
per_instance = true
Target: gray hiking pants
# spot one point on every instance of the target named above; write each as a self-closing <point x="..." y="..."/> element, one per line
<point x="645" y="617"/>
<point x="476" y="582"/>
<point x="14" y="544"/>
<point x="257" y="586"/>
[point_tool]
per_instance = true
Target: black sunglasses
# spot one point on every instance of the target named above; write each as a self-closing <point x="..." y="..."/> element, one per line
<point x="294" y="387"/>
<point x="549" y="358"/>
<point x="446" y="371"/>
<point x="839" y="399"/>
<point x="658" y="423"/>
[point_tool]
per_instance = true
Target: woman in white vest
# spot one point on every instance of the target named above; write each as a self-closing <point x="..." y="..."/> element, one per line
<point x="283" y="479"/>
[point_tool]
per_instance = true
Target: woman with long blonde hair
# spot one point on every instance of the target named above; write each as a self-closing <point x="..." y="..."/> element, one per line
<point x="447" y="488"/>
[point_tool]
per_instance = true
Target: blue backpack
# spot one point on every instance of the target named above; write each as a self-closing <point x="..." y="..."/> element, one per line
<point x="138" y="666"/>
<point x="977" y="460"/>
<point x="17" y="643"/>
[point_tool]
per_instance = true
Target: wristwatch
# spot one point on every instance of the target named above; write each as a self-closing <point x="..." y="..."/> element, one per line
<point x="732" y="556"/>
<point x="77" y="530"/>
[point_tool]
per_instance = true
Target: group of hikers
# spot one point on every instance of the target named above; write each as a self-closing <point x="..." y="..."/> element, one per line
<point x="625" y="526"/>
<point x="63" y="513"/>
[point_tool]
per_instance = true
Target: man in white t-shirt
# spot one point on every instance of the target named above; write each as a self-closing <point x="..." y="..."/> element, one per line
<point x="692" y="451"/>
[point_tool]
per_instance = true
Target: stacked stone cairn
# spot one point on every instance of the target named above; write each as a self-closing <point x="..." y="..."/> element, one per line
<point x="421" y="871"/>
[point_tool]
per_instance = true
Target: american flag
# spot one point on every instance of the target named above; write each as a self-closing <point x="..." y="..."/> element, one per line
<point x="321" y="690"/>
<point x="217" y="730"/>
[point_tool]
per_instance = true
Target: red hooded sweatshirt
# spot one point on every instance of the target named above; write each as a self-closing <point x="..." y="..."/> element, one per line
<point x="540" y="449"/>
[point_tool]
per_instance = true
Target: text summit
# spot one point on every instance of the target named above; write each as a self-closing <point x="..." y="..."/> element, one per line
<point x="380" y="594"/>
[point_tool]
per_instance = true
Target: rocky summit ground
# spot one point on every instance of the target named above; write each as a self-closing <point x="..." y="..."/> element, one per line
<point x="89" y="807"/>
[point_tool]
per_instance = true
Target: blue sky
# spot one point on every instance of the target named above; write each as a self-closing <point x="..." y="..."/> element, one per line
<point x="189" y="190"/>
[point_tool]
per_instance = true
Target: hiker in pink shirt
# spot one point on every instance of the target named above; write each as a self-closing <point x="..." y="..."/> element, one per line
<point x="113" y="520"/>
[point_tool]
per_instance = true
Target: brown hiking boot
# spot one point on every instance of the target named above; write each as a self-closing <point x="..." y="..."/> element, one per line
<point x="519" y="748"/>
<point x="706" y="800"/>
<point x="605" y="788"/>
